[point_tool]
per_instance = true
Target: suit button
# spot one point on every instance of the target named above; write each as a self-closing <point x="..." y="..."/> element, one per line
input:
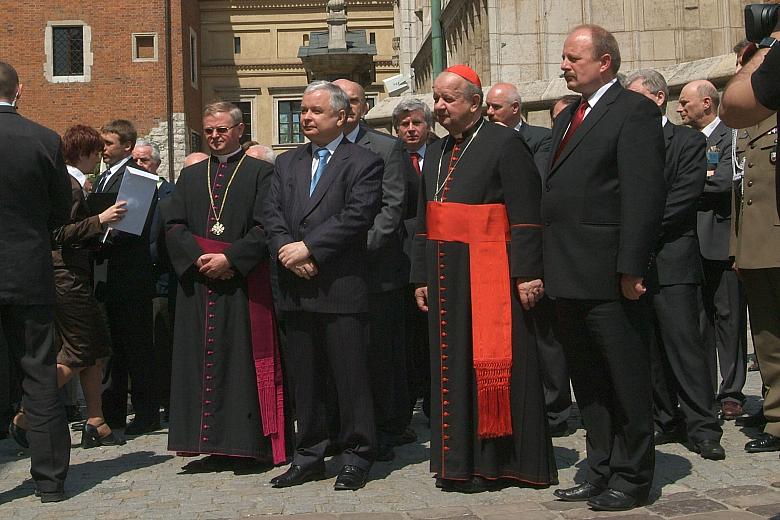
<point x="750" y="183"/>
<point x="750" y="165"/>
<point x="305" y="223"/>
<point x="749" y="202"/>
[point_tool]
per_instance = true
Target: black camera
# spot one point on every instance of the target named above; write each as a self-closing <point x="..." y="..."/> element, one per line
<point x="760" y="21"/>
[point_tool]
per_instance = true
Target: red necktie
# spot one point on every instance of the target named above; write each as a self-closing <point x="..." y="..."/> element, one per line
<point x="416" y="162"/>
<point x="576" y="121"/>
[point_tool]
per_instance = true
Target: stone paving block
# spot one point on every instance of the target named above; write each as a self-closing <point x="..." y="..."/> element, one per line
<point x="588" y="514"/>
<point x="441" y="513"/>
<point x="685" y="507"/>
<point x="483" y="511"/>
<point x="721" y="515"/>
<point x="744" y="502"/>
<point x="734" y="491"/>
<point x="767" y="511"/>
<point x="374" y="516"/>
<point x="524" y="515"/>
<point x="684" y="495"/>
<point x="560" y="505"/>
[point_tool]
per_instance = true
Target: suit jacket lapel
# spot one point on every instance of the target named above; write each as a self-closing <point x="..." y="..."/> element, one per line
<point x="559" y="129"/>
<point x="330" y="173"/>
<point x="117" y="177"/>
<point x="668" y="133"/>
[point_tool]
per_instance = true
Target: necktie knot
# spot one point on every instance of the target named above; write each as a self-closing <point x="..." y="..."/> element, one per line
<point x="416" y="161"/>
<point x="322" y="153"/>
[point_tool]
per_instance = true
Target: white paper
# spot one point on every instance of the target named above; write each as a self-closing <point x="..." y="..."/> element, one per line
<point x="137" y="190"/>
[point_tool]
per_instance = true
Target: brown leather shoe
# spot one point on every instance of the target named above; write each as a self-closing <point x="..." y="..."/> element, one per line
<point x="730" y="410"/>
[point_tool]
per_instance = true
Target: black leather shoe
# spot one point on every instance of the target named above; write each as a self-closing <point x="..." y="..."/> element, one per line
<point x="613" y="500"/>
<point x="297" y="475"/>
<point x="50" y="496"/>
<point x="669" y="437"/>
<point x="584" y="491"/>
<point x="18" y="434"/>
<point x="90" y="438"/>
<point x="766" y="442"/>
<point x="139" y="427"/>
<point x="351" y="478"/>
<point x="709" y="449"/>
<point x="757" y="420"/>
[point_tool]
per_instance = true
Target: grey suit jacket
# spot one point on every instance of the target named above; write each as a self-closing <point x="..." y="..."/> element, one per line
<point x="387" y="264"/>
<point x="714" y="215"/>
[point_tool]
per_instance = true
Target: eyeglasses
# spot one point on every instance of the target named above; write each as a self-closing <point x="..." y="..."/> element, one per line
<point x="221" y="130"/>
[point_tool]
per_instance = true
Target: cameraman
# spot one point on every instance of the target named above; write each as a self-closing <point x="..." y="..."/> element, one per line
<point x="750" y="100"/>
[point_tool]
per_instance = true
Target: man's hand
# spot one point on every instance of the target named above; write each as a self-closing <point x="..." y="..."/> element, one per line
<point x="632" y="287"/>
<point x="293" y="254"/>
<point x="421" y="297"/>
<point x="306" y="269"/>
<point x="529" y="291"/>
<point x="215" y="266"/>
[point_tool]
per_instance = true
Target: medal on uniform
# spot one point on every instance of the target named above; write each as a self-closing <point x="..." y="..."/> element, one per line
<point x="218" y="228"/>
<point x="773" y="156"/>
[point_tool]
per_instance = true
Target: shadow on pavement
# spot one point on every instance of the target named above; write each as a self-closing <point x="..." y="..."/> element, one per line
<point x="83" y="477"/>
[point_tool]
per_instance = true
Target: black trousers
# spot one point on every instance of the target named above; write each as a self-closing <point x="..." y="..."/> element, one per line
<point x="162" y="319"/>
<point x="552" y="361"/>
<point x="131" y="325"/>
<point x="387" y="364"/>
<point x="27" y="332"/>
<point x="682" y="394"/>
<point x="319" y="344"/>
<point x="418" y="358"/>
<point x="723" y="324"/>
<point x="606" y="346"/>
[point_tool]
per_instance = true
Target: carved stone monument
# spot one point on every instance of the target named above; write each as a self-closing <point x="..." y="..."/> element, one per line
<point x="337" y="25"/>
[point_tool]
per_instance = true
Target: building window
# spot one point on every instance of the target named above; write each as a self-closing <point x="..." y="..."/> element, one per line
<point x="372" y="38"/>
<point x="145" y="47"/>
<point x="195" y="141"/>
<point x="67" y="45"/>
<point x="237" y="45"/>
<point x="246" y="113"/>
<point x="306" y="39"/>
<point x="193" y="58"/>
<point x="289" y="121"/>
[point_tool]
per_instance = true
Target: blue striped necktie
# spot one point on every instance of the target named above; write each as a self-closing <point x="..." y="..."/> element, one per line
<point x="323" y="154"/>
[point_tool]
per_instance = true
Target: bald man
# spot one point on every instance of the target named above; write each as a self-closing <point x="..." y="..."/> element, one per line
<point x="194" y="157"/>
<point x="387" y="277"/>
<point x="505" y="108"/>
<point x="723" y="322"/>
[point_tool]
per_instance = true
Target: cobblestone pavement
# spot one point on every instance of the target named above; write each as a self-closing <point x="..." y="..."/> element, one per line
<point x="143" y="480"/>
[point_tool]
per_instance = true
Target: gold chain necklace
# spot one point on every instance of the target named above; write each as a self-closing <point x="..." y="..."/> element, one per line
<point x="218" y="228"/>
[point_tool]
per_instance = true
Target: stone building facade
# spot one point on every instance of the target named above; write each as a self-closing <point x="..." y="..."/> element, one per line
<point x="83" y="61"/>
<point x="520" y="40"/>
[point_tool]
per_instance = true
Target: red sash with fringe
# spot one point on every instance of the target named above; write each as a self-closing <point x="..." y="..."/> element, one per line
<point x="485" y="228"/>
<point x="265" y="350"/>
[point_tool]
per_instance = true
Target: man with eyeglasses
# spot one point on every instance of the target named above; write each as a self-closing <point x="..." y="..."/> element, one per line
<point x="226" y="384"/>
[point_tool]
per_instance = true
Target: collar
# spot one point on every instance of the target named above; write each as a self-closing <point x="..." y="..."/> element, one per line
<point x="6" y="104"/>
<point x="664" y="120"/>
<point x="707" y="130"/>
<point x="469" y="131"/>
<point x="77" y="174"/>
<point x="596" y="96"/>
<point x="331" y="146"/>
<point x="353" y="135"/>
<point x="115" y="168"/>
<point x="420" y="151"/>
<point x="227" y="157"/>
<point x="519" y="125"/>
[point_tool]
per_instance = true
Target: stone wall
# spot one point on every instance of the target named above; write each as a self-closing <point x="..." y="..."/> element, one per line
<point x="159" y="136"/>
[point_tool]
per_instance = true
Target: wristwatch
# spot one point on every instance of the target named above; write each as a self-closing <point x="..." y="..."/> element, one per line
<point x="767" y="43"/>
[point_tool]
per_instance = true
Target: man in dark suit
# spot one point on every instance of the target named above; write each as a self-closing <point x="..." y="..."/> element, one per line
<point x="127" y="293"/>
<point x="323" y="200"/>
<point x="504" y="107"/>
<point x="146" y="154"/>
<point x="34" y="200"/>
<point x="413" y="121"/>
<point x="387" y="277"/>
<point x="723" y="320"/>
<point x="602" y="204"/>
<point x="682" y="394"/>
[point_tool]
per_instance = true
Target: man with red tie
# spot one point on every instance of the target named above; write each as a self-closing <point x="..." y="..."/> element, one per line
<point x="602" y="204"/>
<point x="477" y="261"/>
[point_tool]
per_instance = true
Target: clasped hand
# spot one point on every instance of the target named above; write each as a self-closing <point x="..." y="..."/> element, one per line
<point x="296" y="257"/>
<point x="529" y="292"/>
<point x="215" y="266"/>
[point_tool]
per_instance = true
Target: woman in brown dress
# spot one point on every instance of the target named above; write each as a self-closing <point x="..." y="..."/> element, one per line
<point x="81" y="330"/>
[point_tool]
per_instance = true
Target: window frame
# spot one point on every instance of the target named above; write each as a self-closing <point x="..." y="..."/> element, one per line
<point x="277" y="140"/>
<point x="87" y="56"/>
<point x="134" y="50"/>
<point x="194" y="72"/>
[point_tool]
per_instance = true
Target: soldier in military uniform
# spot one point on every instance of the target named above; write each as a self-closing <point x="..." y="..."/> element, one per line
<point x="755" y="246"/>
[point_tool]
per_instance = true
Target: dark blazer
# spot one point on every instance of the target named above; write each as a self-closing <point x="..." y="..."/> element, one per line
<point x="677" y="258"/>
<point x="333" y="223"/>
<point x="714" y="217"/>
<point x="130" y="271"/>
<point x="385" y="238"/>
<point x="73" y="240"/>
<point x="34" y="200"/>
<point x="603" y="198"/>
<point x="163" y="269"/>
<point x="539" y="140"/>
